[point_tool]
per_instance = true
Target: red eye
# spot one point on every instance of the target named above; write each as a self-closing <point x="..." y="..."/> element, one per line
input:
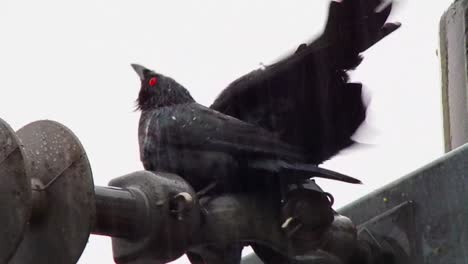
<point x="153" y="81"/>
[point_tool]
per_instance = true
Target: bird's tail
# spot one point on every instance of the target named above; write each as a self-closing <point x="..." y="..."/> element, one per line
<point x="302" y="170"/>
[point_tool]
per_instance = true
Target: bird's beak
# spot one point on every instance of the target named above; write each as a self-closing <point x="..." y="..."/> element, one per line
<point x="140" y="70"/>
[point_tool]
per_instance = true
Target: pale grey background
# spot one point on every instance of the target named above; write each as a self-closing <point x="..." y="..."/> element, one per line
<point x="69" y="61"/>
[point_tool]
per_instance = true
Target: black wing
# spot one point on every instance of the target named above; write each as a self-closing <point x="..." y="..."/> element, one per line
<point x="306" y="98"/>
<point x="193" y="126"/>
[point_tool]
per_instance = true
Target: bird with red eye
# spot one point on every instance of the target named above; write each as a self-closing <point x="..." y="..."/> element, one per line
<point x="158" y="90"/>
<point x="153" y="81"/>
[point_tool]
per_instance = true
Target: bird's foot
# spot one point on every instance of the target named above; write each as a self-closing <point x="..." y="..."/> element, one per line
<point x="306" y="210"/>
<point x="181" y="203"/>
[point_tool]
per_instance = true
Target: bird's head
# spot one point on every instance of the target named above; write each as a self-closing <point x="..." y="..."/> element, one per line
<point x="158" y="90"/>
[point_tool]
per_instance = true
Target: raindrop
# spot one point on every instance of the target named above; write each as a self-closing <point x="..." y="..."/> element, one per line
<point x="262" y="66"/>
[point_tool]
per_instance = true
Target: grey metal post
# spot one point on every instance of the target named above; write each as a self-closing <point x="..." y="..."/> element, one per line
<point x="454" y="58"/>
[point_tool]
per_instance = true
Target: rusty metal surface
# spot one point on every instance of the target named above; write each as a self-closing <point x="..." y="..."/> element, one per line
<point x="55" y="157"/>
<point x="15" y="193"/>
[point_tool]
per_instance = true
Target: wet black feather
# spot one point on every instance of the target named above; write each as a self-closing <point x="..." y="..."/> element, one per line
<point x="306" y="98"/>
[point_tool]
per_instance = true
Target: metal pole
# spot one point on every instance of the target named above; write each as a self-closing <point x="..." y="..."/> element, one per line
<point x="119" y="212"/>
<point x="454" y="59"/>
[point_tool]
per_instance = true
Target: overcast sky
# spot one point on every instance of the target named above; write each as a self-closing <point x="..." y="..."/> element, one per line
<point x="69" y="61"/>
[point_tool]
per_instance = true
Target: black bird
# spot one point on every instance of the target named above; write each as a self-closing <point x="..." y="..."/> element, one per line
<point x="218" y="153"/>
<point x="204" y="146"/>
<point x="306" y="98"/>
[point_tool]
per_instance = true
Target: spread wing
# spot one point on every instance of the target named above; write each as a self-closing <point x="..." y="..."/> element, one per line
<point x="306" y="98"/>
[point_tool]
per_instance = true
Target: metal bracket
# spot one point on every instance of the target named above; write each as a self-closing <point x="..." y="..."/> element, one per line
<point x="392" y="231"/>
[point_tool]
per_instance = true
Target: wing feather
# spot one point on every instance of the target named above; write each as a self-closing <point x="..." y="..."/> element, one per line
<point x="194" y="126"/>
<point x="306" y="98"/>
